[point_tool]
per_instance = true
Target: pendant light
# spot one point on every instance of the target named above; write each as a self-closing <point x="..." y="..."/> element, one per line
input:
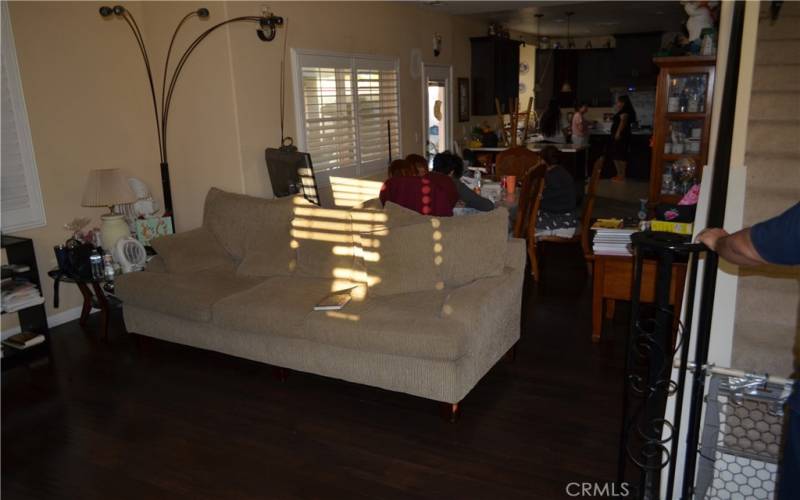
<point x="566" y="88"/>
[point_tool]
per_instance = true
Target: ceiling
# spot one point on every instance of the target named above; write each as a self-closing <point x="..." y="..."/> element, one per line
<point x="590" y="18"/>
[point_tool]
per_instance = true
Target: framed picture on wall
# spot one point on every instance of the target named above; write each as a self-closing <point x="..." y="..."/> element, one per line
<point x="463" y="99"/>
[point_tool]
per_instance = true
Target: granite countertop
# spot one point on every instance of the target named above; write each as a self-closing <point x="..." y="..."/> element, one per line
<point x="646" y="131"/>
<point x="537" y="146"/>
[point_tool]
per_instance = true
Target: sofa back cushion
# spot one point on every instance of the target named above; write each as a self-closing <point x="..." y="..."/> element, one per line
<point x="471" y="246"/>
<point x="402" y="259"/>
<point x="236" y="219"/>
<point x="191" y="251"/>
<point x="326" y="244"/>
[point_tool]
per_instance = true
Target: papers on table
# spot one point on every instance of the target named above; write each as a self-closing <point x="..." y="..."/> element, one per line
<point x="612" y="241"/>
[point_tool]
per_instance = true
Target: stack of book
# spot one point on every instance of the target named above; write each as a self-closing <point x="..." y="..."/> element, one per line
<point x="24" y="340"/>
<point x="612" y="240"/>
<point x="19" y="294"/>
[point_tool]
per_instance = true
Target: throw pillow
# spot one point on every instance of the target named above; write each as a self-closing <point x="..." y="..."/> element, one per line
<point x="191" y="251"/>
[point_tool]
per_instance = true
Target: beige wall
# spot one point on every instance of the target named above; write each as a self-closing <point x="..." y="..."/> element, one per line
<point x="88" y="100"/>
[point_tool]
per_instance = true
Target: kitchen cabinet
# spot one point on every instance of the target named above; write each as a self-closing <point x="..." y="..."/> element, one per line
<point x="495" y="73"/>
<point x="594" y="77"/>
<point x="589" y="72"/>
<point x="681" y="124"/>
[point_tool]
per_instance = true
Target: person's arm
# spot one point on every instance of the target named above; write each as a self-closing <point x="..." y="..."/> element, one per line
<point x="473" y="199"/>
<point x="623" y="122"/>
<point x="736" y="248"/>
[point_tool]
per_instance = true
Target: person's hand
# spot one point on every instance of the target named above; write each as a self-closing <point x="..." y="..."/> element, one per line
<point x="710" y="236"/>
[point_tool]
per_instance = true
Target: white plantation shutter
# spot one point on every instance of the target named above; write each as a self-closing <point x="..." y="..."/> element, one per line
<point x="330" y="122"/>
<point x="378" y="109"/>
<point x="20" y="195"/>
<point x="344" y="105"/>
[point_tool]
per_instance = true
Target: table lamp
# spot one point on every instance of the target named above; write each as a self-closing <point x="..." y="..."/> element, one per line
<point x="106" y="188"/>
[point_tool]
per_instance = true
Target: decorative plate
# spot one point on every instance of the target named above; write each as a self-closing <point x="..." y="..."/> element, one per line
<point x="523" y="68"/>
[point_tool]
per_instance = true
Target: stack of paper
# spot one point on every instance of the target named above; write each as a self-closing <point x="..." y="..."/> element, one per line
<point x="608" y="241"/>
<point x="19" y="295"/>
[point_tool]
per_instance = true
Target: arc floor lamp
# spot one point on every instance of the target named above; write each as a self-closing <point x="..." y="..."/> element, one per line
<point x="268" y="24"/>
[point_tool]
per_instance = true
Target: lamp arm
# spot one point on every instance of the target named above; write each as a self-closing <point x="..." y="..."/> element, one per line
<point x="182" y="61"/>
<point x="166" y="61"/>
<point x="128" y="17"/>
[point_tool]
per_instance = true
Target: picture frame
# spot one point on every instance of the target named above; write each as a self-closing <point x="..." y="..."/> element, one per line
<point x="463" y="99"/>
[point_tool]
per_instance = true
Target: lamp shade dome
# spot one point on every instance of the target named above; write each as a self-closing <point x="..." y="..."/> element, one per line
<point x="106" y="188"/>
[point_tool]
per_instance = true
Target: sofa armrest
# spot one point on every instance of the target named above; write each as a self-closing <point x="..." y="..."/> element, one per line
<point x="516" y="254"/>
<point x="191" y="251"/>
<point x="488" y="307"/>
<point x="156" y="265"/>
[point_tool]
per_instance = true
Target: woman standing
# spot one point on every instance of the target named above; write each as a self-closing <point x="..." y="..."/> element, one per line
<point x="621" y="135"/>
<point x="580" y="127"/>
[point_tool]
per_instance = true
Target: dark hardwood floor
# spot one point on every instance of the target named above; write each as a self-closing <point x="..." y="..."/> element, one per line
<point x="110" y="420"/>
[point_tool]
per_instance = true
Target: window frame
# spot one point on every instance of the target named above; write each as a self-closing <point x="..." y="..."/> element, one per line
<point x="359" y="170"/>
<point x="35" y="213"/>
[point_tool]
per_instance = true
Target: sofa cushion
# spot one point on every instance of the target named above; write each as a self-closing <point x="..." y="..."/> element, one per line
<point x="191" y="251"/>
<point x="472" y="246"/>
<point x="236" y="218"/>
<point x="188" y="296"/>
<point x="402" y="259"/>
<point x="278" y="306"/>
<point x="326" y="243"/>
<point x="403" y="325"/>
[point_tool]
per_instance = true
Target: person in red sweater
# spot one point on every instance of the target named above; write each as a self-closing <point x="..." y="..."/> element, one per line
<point x="429" y="194"/>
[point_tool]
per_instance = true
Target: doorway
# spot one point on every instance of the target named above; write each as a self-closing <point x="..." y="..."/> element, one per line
<point x="437" y="109"/>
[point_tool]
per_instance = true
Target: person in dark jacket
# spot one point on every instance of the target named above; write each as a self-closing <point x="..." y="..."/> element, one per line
<point x="621" y="135"/>
<point x="453" y="166"/>
<point x="557" y="215"/>
<point x="774" y="241"/>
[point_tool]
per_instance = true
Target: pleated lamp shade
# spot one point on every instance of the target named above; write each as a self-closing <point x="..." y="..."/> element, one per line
<point x="106" y="188"/>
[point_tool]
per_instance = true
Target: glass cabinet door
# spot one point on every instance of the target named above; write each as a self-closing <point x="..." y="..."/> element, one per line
<point x="683" y="139"/>
<point x="687" y="93"/>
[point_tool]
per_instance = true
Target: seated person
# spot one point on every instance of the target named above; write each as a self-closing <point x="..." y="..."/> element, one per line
<point x="557" y="214"/>
<point x="419" y="162"/>
<point x="402" y="168"/>
<point x="452" y="166"/>
<point x="429" y="194"/>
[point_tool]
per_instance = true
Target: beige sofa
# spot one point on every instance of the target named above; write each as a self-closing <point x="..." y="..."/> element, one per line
<point x="436" y="301"/>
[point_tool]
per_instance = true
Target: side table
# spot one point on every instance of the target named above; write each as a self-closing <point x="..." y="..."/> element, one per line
<point x="96" y="293"/>
<point x="612" y="278"/>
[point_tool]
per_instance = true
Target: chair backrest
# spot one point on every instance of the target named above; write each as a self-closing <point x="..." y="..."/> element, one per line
<point x="532" y="185"/>
<point x="586" y="217"/>
<point x="516" y="161"/>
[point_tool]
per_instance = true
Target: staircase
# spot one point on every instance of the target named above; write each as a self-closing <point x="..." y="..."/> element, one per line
<point x="767" y="312"/>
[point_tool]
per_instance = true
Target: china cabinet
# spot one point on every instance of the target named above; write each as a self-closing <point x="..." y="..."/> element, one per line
<point x="681" y="125"/>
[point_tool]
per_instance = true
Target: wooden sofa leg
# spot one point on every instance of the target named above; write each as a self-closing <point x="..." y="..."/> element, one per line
<point x="511" y="355"/>
<point x="451" y="412"/>
<point x="280" y="374"/>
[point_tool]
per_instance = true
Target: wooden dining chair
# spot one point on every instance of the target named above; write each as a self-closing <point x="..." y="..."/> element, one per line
<point x="581" y="236"/>
<point x="524" y="224"/>
<point x="515" y="161"/>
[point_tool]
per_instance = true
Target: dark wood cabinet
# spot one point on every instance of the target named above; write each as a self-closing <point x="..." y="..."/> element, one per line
<point x="495" y="73"/>
<point x="588" y="71"/>
<point x="594" y="77"/>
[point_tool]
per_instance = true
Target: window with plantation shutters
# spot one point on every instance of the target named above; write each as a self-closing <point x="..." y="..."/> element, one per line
<point x="348" y="109"/>
<point x="20" y="195"/>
